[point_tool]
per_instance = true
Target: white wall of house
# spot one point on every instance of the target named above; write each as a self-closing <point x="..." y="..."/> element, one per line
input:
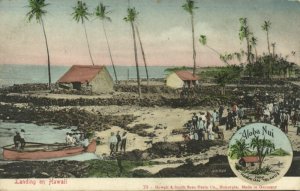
<point x="173" y="81"/>
<point x="102" y="83"/>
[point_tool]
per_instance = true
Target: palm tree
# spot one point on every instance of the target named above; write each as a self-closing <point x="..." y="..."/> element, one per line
<point x="131" y="17"/>
<point x="266" y="27"/>
<point x="189" y="6"/>
<point x="37" y="11"/>
<point x="101" y="13"/>
<point x="263" y="148"/>
<point x="143" y="53"/>
<point x="253" y="43"/>
<point x="239" y="149"/>
<point x="245" y="33"/>
<point x="81" y="14"/>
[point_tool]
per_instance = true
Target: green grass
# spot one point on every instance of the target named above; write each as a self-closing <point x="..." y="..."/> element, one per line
<point x="110" y="168"/>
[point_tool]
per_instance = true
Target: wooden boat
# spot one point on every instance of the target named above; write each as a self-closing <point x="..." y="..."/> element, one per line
<point x="36" y="151"/>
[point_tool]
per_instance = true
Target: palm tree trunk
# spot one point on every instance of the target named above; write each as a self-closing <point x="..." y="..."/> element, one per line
<point x="268" y="42"/>
<point x="194" y="51"/>
<point x="143" y="53"/>
<point x="255" y="54"/>
<point x="46" y="41"/>
<point x="136" y="60"/>
<point x="218" y="53"/>
<point x="248" y="57"/>
<point x="111" y="59"/>
<point x="87" y="40"/>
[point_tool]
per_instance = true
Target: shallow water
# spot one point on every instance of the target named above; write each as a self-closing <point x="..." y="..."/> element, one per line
<point x="40" y="134"/>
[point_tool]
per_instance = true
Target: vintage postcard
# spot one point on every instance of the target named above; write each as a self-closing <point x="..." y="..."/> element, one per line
<point x="149" y="95"/>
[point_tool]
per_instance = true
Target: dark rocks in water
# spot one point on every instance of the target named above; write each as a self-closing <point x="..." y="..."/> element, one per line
<point x="85" y="120"/>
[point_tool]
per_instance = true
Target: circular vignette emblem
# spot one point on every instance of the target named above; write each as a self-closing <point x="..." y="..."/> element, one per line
<point x="260" y="153"/>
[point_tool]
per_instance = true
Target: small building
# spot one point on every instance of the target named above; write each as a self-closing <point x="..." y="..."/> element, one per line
<point x="181" y="79"/>
<point x="86" y="77"/>
<point x="249" y="161"/>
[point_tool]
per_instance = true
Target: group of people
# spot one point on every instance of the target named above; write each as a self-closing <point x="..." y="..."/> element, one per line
<point x="116" y="141"/>
<point x="19" y="139"/>
<point x="77" y="139"/>
<point x="203" y="126"/>
<point x="233" y="117"/>
<point x="279" y="115"/>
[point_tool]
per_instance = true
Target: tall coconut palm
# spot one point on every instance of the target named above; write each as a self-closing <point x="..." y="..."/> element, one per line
<point x="37" y="11"/>
<point x="266" y="27"/>
<point x="244" y="33"/>
<point x="143" y="53"/>
<point x="131" y="17"/>
<point x="101" y="13"/>
<point x="253" y="43"/>
<point x="189" y="7"/>
<point x="81" y="14"/>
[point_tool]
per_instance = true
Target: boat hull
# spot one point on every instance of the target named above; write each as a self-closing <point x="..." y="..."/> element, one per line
<point x="10" y="154"/>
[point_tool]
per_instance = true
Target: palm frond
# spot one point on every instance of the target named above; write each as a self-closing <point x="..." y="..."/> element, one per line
<point x="189" y="6"/>
<point x="80" y="12"/>
<point x="36" y="9"/>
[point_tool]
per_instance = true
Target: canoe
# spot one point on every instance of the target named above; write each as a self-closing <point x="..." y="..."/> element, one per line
<point x="36" y="151"/>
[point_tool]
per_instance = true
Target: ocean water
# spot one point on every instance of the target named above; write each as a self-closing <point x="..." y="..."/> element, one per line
<point x="18" y="74"/>
<point x="40" y="134"/>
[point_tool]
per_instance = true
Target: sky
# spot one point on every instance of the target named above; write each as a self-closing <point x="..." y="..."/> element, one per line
<point x="164" y="26"/>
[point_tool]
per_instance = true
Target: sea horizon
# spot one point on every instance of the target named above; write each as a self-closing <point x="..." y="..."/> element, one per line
<point x="11" y="74"/>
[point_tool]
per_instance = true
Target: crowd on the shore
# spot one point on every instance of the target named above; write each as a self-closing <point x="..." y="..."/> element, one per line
<point x="280" y="114"/>
<point x="207" y="125"/>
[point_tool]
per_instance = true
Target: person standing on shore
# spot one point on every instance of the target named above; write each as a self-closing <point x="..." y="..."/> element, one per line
<point x="118" y="140"/>
<point x="195" y="120"/>
<point x="200" y="129"/>
<point x="112" y="143"/>
<point x="123" y="142"/>
<point x="221" y="109"/>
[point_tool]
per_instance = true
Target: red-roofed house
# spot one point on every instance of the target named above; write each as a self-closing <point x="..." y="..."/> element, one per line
<point x="180" y="79"/>
<point x="95" y="78"/>
<point x="248" y="161"/>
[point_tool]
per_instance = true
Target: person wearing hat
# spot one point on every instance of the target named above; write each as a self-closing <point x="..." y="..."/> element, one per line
<point x="112" y="143"/>
<point x="123" y="141"/>
<point x="17" y="140"/>
<point x="119" y="140"/>
<point x="195" y="120"/>
<point x="22" y="140"/>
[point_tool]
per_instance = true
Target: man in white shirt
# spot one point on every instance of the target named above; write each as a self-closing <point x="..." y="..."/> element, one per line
<point x="112" y="143"/>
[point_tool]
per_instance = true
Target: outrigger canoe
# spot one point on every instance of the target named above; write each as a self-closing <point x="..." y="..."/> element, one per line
<point x="36" y="151"/>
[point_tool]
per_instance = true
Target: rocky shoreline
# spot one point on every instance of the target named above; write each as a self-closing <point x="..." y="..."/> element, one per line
<point x="20" y="106"/>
